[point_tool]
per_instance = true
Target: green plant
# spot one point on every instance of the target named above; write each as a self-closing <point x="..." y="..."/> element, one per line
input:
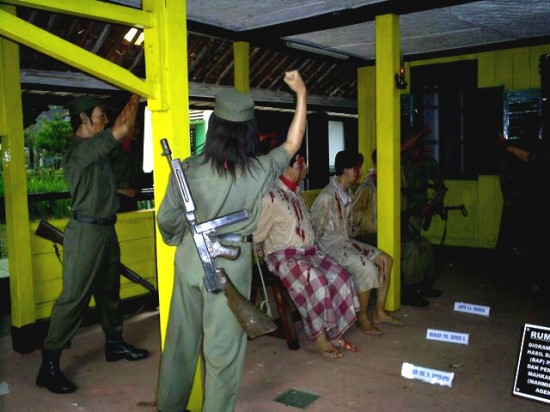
<point x="48" y="136"/>
<point x="47" y="180"/>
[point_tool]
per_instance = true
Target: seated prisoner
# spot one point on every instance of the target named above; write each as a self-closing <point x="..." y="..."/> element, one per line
<point x="322" y="291"/>
<point x="369" y="266"/>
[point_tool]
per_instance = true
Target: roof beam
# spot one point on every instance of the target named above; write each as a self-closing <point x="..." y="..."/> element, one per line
<point x="70" y="81"/>
<point x="92" y="9"/>
<point x="25" y="33"/>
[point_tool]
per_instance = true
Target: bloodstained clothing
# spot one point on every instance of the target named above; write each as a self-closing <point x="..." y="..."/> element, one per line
<point x="322" y="291"/>
<point x="331" y="219"/>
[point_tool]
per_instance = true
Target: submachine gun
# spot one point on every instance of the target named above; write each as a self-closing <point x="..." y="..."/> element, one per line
<point x="254" y="322"/>
<point x="49" y="232"/>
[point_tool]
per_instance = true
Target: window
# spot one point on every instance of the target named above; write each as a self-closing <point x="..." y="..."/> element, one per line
<point x="335" y="141"/>
<point x="465" y="121"/>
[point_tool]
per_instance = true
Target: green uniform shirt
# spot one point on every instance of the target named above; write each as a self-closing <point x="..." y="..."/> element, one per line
<point x="214" y="196"/>
<point x="417" y="178"/>
<point x="89" y="175"/>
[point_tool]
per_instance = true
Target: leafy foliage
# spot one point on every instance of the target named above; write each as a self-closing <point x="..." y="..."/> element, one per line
<point x="50" y="132"/>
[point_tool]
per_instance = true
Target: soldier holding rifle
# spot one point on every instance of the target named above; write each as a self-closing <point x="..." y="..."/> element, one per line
<point x="420" y="172"/>
<point x="228" y="177"/>
<point x="91" y="253"/>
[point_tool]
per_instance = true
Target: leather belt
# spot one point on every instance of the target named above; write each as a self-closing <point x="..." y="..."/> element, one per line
<point x="106" y="221"/>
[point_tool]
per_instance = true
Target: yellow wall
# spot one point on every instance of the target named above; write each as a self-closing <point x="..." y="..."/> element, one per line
<point x="515" y="69"/>
<point x="483" y="201"/>
<point x="136" y="233"/>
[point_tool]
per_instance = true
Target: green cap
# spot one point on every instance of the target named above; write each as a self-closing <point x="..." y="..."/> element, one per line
<point x="82" y="103"/>
<point x="234" y="106"/>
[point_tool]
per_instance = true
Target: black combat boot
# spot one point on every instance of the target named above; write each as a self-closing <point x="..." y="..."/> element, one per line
<point x="411" y="296"/>
<point x="50" y="375"/>
<point x="116" y="349"/>
<point x="427" y="289"/>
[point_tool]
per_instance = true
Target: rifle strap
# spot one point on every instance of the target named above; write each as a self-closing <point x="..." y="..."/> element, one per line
<point x="444" y="235"/>
<point x="264" y="305"/>
<point x="57" y="253"/>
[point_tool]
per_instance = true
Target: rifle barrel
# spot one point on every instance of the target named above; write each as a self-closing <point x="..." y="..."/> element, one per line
<point x="49" y="232"/>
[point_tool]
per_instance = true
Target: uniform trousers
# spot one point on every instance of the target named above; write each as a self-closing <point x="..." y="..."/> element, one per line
<point x="202" y="322"/>
<point x="91" y="262"/>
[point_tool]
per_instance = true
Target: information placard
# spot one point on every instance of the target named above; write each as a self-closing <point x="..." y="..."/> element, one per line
<point x="533" y="370"/>
<point x="447" y="336"/>
<point x="470" y="308"/>
<point x="433" y="376"/>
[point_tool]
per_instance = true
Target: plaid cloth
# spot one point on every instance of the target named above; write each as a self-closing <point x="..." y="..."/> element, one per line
<point x="323" y="292"/>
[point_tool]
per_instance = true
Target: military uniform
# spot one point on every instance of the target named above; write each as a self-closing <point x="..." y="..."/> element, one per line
<point x="416" y="176"/>
<point x="199" y="320"/>
<point x="91" y="253"/>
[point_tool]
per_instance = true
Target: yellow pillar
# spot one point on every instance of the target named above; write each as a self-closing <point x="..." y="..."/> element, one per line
<point x="366" y="110"/>
<point x="388" y="148"/>
<point x="166" y="64"/>
<point x="241" y="57"/>
<point x="15" y="184"/>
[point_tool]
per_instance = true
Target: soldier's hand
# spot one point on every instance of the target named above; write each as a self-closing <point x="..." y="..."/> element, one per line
<point x="428" y="210"/>
<point x="126" y="120"/>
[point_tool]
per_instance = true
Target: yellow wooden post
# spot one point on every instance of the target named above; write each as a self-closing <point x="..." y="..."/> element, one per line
<point x="166" y="64"/>
<point x="388" y="148"/>
<point x="15" y="184"/>
<point x="241" y="57"/>
<point x="366" y="111"/>
<point x="166" y="88"/>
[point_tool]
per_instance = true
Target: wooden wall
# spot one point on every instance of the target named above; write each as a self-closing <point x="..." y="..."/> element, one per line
<point x="483" y="201"/>
<point x="515" y="69"/>
<point x="136" y="234"/>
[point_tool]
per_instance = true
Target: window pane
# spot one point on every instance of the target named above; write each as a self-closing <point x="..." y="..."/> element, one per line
<point x="335" y="141"/>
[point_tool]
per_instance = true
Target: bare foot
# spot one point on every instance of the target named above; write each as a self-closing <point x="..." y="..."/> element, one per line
<point x="390" y="320"/>
<point x="325" y="348"/>
<point x="348" y="346"/>
<point x="369" y="328"/>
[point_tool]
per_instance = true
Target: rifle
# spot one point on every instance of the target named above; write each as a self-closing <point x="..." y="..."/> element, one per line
<point x="252" y="320"/>
<point x="443" y="212"/>
<point x="47" y="231"/>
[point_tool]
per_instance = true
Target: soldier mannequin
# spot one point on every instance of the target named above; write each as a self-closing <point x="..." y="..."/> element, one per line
<point x="228" y="177"/>
<point x="91" y="253"/>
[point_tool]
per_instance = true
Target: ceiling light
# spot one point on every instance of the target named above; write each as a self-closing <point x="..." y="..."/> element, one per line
<point x="140" y="39"/>
<point x="129" y="36"/>
<point x="316" y="50"/>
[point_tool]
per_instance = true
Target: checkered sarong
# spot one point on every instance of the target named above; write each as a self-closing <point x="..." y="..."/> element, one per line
<point x="322" y="291"/>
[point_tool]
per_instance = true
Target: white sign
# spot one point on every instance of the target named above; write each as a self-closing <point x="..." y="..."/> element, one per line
<point x="469" y="308"/>
<point x="446" y="336"/>
<point x="433" y="376"/>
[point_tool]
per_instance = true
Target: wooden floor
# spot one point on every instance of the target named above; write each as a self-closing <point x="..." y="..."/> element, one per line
<point x="369" y="380"/>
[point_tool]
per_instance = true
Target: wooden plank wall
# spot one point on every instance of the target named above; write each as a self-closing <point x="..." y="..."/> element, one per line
<point x="483" y="201"/>
<point x="136" y="234"/>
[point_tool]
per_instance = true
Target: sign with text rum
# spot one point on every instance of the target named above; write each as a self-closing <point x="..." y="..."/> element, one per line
<point x="533" y="370"/>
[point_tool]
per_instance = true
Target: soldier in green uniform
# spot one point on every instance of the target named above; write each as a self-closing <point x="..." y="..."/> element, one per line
<point x="228" y="177"/>
<point x="419" y="173"/>
<point x="91" y="252"/>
